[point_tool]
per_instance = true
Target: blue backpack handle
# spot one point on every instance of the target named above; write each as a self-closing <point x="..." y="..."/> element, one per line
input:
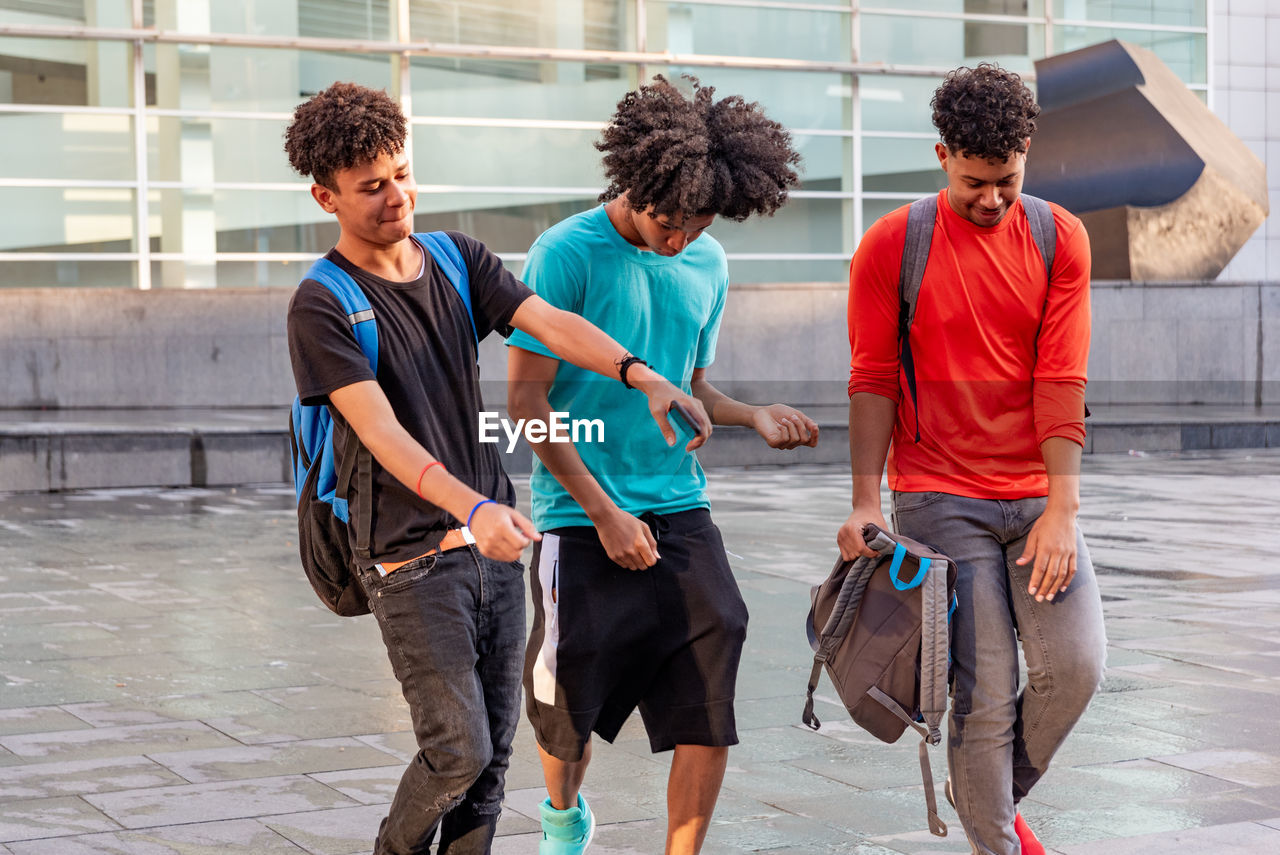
<point x="899" y="553"/>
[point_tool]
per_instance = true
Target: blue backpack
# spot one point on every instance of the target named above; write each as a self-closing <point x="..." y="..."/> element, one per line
<point x="321" y="483"/>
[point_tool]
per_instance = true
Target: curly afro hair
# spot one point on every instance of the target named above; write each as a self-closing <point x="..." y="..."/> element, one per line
<point x="343" y="126"/>
<point x="696" y="156"/>
<point x="984" y="112"/>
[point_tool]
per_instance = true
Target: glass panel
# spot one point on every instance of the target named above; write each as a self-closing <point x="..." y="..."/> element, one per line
<point x="900" y="166"/>
<point x="55" y="13"/>
<point x="326" y="19"/>
<point x="827" y="162"/>
<point x="68" y="274"/>
<point x="1184" y="53"/>
<point x="944" y="42"/>
<point x="745" y="272"/>
<point x="202" y="149"/>
<point x="685" y="28"/>
<point x="64" y="71"/>
<point x="802" y="225"/>
<point x="507" y="157"/>
<point x="798" y="99"/>
<point x="66" y="146"/>
<point x="201" y="222"/>
<point x="1185" y="13"/>
<point x="572" y="24"/>
<point x="240" y="274"/>
<point x="898" y="103"/>
<point x="57" y="219"/>
<point x="507" y="224"/>
<point x="565" y="91"/>
<point x="203" y="77"/>
<point x="1017" y="8"/>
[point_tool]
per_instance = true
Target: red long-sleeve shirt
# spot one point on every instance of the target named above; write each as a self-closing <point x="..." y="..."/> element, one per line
<point x="1000" y="352"/>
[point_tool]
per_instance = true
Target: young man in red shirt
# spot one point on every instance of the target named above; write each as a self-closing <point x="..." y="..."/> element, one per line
<point x="984" y="462"/>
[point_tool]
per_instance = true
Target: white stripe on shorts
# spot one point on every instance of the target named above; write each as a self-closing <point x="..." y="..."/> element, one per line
<point x="544" y="668"/>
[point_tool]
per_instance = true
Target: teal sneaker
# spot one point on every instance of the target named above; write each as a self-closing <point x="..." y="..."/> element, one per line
<point x="566" y="832"/>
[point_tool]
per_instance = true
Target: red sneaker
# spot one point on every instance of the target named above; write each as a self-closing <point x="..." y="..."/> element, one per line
<point x="1027" y="837"/>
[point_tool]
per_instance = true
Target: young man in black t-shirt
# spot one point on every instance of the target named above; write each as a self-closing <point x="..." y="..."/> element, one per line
<point x="443" y="576"/>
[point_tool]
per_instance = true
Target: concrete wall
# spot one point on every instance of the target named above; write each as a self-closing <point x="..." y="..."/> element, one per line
<point x="1155" y="343"/>
<point x="1187" y="343"/>
<point x="77" y="348"/>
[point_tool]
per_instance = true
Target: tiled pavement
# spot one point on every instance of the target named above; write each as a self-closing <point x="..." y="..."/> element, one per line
<point x="168" y="684"/>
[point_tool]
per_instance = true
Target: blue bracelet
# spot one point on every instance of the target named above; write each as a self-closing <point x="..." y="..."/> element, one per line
<point x="476" y="508"/>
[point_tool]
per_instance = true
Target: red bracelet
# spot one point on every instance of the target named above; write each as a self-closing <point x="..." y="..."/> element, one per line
<point x="424" y="472"/>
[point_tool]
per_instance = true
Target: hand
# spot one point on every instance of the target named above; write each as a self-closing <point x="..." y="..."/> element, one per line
<point x="627" y="540"/>
<point x="502" y="533"/>
<point x="784" y="427"/>
<point x="849" y="538"/>
<point x="1052" y="545"/>
<point x="661" y="397"/>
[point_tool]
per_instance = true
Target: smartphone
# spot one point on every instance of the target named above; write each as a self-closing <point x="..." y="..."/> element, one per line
<point x="683" y="416"/>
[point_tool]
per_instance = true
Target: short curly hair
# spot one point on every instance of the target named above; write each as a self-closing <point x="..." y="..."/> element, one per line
<point x="344" y="126"/>
<point x="985" y="112"/>
<point x="696" y="156"/>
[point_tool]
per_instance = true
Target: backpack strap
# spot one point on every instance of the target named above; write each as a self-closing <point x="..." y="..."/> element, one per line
<point x="935" y="662"/>
<point x="841" y="617"/>
<point x="915" y="257"/>
<point x="1044" y="231"/>
<point x="353" y="302"/>
<point x="365" y="329"/>
<point x="446" y="255"/>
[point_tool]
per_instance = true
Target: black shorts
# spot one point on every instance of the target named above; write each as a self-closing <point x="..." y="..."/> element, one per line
<point x="606" y="640"/>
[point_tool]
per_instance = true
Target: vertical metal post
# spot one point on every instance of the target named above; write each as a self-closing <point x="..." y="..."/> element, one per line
<point x="401" y="66"/>
<point x="142" y="209"/>
<point x="1048" y="28"/>
<point x="642" y="40"/>
<point x="1209" y="56"/>
<point x="855" y="125"/>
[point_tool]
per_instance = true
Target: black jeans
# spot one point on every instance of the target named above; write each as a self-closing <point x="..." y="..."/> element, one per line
<point x="453" y="625"/>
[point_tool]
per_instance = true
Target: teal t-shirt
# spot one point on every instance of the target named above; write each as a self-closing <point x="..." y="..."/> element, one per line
<point x="666" y="311"/>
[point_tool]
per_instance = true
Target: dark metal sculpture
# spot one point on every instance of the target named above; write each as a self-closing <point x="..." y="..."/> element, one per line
<point x="1165" y="189"/>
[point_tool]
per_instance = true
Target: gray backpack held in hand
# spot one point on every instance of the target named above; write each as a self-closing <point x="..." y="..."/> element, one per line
<point x="881" y="628"/>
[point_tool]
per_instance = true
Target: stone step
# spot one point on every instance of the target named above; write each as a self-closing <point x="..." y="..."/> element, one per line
<point x="43" y="450"/>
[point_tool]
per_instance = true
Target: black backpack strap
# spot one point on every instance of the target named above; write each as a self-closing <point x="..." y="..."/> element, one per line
<point x="358" y="461"/>
<point x="915" y="257"/>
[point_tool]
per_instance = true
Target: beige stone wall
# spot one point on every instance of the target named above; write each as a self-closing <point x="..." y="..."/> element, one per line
<point x="1213" y="343"/>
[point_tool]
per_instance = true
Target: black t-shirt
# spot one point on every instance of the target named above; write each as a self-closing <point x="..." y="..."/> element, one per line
<point x="427" y="369"/>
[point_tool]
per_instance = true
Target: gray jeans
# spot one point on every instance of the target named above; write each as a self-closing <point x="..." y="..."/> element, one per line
<point x="1001" y="739"/>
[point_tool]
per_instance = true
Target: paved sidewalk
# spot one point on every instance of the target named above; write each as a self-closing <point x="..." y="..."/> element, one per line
<point x="169" y="684"/>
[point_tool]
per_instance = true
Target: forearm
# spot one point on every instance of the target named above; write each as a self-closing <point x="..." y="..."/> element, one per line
<point x="722" y="409"/>
<point x="406" y="459"/>
<point x="871" y="420"/>
<point x="370" y="416"/>
<point x="1062" y="462"/>
<point x="562" y="459"/>
<point x="572" y="338"/>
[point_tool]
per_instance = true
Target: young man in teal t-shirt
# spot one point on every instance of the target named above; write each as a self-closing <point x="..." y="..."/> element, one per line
<point x="635" y="603"/>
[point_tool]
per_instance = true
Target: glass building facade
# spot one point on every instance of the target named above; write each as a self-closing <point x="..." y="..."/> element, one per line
<point x="142" y="139"/>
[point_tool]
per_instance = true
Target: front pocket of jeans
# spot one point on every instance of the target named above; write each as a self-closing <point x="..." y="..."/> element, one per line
<point x="403" y="577"/>
<point x="905" y="503"/>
